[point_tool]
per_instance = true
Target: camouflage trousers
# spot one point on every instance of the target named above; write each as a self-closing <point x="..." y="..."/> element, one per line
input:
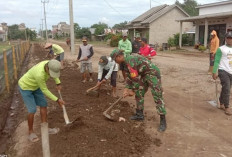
<point x="141" y="88"/>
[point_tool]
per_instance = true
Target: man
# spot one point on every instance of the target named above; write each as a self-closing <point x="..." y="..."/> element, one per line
<point x="214" y="44"/>
<point x="223" y="64"/>
<point x="124" y="46"/>
<point x="141" y="74"/>
<point x="136" y="44"/>
<point x="57" y="50"/>
<point x="32" y="87"/>
<point x="107" y="68"/>
<point x="145" y="50"/>
<point x="84" y="56"/>
<point x="68" y="42"/>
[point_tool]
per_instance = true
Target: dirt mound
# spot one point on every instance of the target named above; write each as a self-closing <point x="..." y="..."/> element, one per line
<point x="91" y="134"/>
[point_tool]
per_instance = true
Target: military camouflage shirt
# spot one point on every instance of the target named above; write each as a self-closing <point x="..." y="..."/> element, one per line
<point x="138" y="69"/>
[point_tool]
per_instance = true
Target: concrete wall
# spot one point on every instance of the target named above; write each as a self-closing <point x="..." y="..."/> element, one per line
<point x="166" y="26"/>
<point x="215" y="9"/>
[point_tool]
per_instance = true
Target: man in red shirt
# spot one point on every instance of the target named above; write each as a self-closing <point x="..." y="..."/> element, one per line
<point x="145" y="50"/>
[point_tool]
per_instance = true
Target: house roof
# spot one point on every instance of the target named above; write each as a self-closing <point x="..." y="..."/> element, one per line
<point x="214" y="4"/>
<point x="148" y="13"/>
<point x="208" y="16"/>
<point x="162" y="12"/>
<point x="153" y="14"/>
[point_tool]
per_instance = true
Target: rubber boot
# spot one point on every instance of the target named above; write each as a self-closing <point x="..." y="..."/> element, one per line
<point x="163" y="123"/>
<point x="138" y="115"/>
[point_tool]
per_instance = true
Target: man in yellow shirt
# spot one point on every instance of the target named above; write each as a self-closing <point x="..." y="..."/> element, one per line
<point x="32" y="86"/>
<point x="57" y="50"/>
<point x="214" y="44"/>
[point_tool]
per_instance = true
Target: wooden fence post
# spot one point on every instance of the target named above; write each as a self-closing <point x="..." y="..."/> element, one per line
<point x="14" y="62"/>
<point x="21" y="54"/>
<point x="6" y="71"/>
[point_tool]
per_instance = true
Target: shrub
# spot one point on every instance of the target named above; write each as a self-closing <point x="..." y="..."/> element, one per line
<point x="114" y="41"/>
<point x="202" y="48"/>
<point x="171" y="41"/>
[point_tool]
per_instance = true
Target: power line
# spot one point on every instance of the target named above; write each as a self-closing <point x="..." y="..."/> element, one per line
<point x="114" y="9"/>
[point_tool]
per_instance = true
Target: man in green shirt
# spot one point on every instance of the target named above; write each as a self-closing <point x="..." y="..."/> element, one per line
<point x="124" y="45"/>
<point x="57" y="50"/>
<point x="32" y="86"/>
<point x="223" y="65"/>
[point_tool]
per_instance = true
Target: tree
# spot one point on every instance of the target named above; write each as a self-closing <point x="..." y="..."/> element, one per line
<point x="31" y="35"/>
<point x="189" y="6"/>
<point x="121" y="25"/>
<point x="83" y="32"/>
<point x="76" y="27"/>
<point x="99" y="28"/>
<point x="14" y="33"/>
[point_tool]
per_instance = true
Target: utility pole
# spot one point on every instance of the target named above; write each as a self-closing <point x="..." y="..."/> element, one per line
<point x="150" y="4"/>
<point x="42" y="29"/>
<point x="45" y="22"/>
<point x="71" y="27"/>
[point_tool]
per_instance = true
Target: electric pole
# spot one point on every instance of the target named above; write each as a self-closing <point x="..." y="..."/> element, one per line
<point x="150" y="4"/>
<point x="42" y="29"/>
<point x="71" y="27"/>
<point x="45" y="22"/>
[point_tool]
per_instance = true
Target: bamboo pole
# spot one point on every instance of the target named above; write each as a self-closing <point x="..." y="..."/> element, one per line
<point x="14" y="62"/>
<point x="6" y="71"/>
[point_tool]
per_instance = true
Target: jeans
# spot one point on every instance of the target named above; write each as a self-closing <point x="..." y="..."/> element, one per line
<point x="226" y="82"/>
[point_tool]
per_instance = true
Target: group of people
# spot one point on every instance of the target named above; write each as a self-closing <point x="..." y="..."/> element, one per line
<point x="138" y="71"/>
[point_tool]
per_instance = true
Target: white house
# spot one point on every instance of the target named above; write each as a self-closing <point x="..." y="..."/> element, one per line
<point x="213" y="16"/>
<point x="159" y="23"/>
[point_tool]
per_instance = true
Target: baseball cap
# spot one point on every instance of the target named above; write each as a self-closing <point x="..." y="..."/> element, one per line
<point x="54" y="68"/>
<point x="84" y="38"/>
<point x="114" y="53"/>
<point x="103" y="60"/>
<point x="47" y="45"/>
<point x="228" y="34"/>
<point x="124" y="34"/>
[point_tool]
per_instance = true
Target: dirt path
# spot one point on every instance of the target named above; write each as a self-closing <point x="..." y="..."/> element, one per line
<point x="195" y="128"/>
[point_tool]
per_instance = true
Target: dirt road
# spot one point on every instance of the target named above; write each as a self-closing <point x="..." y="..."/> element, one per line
<point x="195" y="128"/>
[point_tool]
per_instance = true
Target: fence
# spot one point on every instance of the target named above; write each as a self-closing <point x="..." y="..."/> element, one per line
<point x="10" y="64"/>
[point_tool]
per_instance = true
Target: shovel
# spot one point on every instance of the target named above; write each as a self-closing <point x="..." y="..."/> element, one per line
<point x="105" y="112"/>
<point x="65" y="113"/>
<point x="215" y="103"/>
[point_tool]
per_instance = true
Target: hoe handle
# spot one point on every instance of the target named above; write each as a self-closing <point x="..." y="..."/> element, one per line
<point x="113" y="104"/>
<point x="64" y="110"/>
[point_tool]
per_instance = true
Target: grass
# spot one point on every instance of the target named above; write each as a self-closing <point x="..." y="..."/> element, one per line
<point x="4" y="45"/>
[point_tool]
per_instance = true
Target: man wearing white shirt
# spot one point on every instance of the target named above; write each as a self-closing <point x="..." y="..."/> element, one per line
<point x="107" y="68"/>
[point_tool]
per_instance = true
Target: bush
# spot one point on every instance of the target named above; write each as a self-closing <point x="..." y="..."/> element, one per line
<point x="114" y="41"/>
<point x="202" y="48"/>
<point x="185" y="39"/>
<point x="171" y="41"/>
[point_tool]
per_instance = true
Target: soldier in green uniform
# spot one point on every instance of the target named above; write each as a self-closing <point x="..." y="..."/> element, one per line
<point x="141" y="74"/>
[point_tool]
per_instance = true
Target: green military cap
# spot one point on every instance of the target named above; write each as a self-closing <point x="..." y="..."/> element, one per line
<point x="114" y="53"/>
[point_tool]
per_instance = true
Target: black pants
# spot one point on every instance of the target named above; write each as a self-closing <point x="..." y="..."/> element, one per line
<point x="226" y="82"/>
<point x="113" y="77"/>
<point x="211" y="59"/>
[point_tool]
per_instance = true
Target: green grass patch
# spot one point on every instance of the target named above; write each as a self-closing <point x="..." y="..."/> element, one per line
<point x="3" y="46"/>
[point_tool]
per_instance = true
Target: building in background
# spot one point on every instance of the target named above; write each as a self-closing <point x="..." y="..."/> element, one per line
<point x="3" y="31"/>
<point x="212" y="16"/>
<point x="158" y="24"/>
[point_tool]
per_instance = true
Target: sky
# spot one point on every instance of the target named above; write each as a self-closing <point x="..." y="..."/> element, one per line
<point x="85" y="12"/>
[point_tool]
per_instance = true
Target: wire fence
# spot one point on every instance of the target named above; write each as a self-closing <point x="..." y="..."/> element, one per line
<point x="10" y="64"/>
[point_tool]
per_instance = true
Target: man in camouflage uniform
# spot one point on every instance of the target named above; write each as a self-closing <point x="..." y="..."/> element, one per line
<point x="141" y="74"/>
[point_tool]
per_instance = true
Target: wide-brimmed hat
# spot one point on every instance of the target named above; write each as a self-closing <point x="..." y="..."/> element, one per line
<point x="54" y="68"/>
<point x="47" y="45"/>
<point x="103" y="60"/>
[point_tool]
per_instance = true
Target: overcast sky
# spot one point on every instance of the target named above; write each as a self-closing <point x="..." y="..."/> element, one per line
<point x="86" y="12"/>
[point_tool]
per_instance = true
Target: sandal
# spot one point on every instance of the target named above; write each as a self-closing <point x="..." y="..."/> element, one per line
<point x="33" y="137"/>
<point x="228" y="112"/>
<point x="52" y="131"/>
<point x="221" y="107"/>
